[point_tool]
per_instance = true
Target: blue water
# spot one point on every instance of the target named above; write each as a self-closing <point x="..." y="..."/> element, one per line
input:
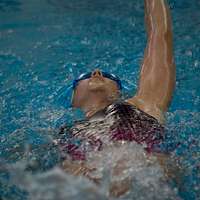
<point x="45" y="44"/>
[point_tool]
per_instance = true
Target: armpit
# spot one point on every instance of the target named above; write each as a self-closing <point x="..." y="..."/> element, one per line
<point x="148" y="108"/>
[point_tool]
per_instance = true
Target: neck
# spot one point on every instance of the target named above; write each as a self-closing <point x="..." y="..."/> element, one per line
<point x="94" y="107"/>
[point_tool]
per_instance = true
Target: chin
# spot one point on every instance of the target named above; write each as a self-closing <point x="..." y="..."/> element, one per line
<point x="97" y="86"/>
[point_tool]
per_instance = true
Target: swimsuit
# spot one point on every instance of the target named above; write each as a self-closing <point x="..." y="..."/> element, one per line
<point x="121" y="123"/>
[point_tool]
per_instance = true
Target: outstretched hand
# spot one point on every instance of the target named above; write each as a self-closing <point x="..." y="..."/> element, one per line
<point x="80" y="169"/>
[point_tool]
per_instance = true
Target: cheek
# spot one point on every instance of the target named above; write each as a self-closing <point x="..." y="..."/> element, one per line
<point x="79" y="94"/>
<point x="112" y="87"/>
<point x="112" y="91"/>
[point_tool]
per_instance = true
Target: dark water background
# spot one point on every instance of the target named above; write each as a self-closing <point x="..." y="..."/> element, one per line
<point x="45" y="44"/>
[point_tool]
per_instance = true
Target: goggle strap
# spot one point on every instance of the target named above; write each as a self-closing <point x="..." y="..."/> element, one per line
<point x="88" y="75"/>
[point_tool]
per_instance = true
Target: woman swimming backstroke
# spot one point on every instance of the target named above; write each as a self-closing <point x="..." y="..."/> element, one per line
<point x="137" y="119"/>
<point x="157" y="75"/>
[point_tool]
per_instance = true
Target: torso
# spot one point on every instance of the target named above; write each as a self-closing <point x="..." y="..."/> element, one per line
<point x="119" y="123"/>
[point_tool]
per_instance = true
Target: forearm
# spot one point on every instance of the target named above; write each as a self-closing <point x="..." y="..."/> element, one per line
<point x="80" y="169"/>
<point x="157" y="75"/>
<point x="159" y="30"/>
<point x="157" y="17"/>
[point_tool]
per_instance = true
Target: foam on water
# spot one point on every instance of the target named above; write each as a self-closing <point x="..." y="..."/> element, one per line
<point x="148" y="177"/>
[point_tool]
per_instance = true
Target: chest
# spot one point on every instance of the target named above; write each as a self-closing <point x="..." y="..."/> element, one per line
<point x="120" y="125"/>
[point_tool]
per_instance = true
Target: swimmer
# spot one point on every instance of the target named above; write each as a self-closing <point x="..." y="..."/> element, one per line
<point x="138" y="119"/>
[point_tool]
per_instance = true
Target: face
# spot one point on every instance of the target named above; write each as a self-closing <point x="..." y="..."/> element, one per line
<point x="96" y="88"/>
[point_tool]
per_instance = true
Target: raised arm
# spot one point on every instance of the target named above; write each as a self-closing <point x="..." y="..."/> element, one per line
<point x="157" y="77"/>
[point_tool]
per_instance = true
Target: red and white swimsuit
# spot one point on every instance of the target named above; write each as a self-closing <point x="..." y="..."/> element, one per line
<point x="121" y="122"/>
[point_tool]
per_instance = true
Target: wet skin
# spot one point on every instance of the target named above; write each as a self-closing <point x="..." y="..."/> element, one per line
<point x="95" y="93"/>
<point x="156" y="84"/>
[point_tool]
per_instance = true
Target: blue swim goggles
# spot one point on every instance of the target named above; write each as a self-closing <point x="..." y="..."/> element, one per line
<point x="64" y="95"/>
<point x="105" y="74"/>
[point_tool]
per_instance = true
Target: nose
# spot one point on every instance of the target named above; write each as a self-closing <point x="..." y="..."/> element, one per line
<point x="97" y="72"/>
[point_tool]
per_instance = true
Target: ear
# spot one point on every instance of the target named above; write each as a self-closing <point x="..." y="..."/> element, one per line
<point x="72" y="99"/>
<point x="73" y="102"/>
<point x="118" y="94"/>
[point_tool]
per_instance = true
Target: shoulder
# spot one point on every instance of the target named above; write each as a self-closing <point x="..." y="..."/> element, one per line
<point x="148" y="108"/>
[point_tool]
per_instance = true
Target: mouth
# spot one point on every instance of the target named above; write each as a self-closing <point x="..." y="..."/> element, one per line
<point x="97" y="78"/>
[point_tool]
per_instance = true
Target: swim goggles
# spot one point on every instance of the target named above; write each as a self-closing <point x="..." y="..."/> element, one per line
<point x="105" y="74"/>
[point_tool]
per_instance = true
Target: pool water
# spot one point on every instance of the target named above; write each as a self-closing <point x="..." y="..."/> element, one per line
<point x="45" y="44"/>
